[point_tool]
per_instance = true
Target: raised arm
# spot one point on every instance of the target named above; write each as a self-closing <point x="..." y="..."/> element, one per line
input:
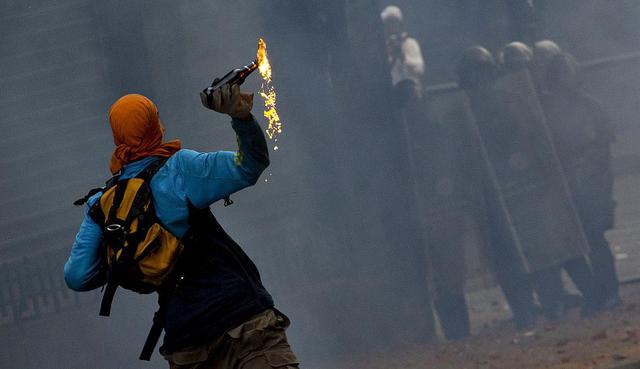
<point x="209" y="177"/>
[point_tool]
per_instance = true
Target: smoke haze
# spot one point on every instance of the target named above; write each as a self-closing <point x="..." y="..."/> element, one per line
<point x="336" y="230"/>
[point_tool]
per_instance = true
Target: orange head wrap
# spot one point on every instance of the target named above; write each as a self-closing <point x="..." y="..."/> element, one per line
<point x="137" y="131"/>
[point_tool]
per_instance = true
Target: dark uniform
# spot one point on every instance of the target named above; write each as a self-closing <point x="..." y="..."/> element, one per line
<point x="477" y="73"/>
<point x="451" y="204"/>
<point x="564" y="247"/>
<point x="583" y="136"/>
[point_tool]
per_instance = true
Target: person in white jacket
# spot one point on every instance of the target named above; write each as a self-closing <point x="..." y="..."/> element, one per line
<point x="407" y="67"/>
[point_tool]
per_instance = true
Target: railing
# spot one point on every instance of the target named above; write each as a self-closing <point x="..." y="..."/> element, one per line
<point x="33" y="286"/>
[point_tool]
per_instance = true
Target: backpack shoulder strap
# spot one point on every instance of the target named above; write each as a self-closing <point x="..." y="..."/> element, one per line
<point x="144" y="193"/>
<point x="110" y="183"/>
<point x="150" y="170"/>
<point x="146" y="174"/>
<point x="83" y="200"/>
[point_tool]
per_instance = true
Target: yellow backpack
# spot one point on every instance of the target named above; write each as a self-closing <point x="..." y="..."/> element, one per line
<point x="139" y="251"/>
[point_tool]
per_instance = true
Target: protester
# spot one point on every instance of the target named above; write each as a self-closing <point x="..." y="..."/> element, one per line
<point x="218" y="314"/>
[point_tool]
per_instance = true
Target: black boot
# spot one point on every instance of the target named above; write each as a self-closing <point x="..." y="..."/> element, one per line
<point x="453" y="315"/>
<point x="522" y="306"/>
<point x="550" y="291"/>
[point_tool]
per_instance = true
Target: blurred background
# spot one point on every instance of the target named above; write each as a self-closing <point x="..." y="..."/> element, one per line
<point x="337" y="230"/>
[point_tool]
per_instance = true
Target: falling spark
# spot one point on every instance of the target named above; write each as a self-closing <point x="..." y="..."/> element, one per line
<point x="268" y="94"/>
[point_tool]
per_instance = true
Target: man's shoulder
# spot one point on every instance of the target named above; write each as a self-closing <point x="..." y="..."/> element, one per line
<point x="187" y="157"/>
<point x="186" y="161"/>
<point x="182" y="158"/>
<point x="185" y="153"/>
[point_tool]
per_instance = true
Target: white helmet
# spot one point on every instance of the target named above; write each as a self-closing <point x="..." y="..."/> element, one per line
<point x="391" y="12"/>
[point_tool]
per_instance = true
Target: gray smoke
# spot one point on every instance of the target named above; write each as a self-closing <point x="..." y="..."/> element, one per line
<point x="334" y="231"/>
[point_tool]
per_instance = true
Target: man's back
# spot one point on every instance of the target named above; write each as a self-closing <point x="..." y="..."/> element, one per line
<point x="216" y="286"/>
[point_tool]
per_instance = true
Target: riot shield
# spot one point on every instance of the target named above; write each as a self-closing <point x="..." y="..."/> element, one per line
<point x="522" y="165"/>
<point x="445" y="164"/>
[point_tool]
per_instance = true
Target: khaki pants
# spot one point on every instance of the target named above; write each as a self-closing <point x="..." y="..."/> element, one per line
<point x="259" y="343"/>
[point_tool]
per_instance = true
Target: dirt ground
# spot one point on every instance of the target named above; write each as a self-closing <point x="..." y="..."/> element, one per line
<point x="606" y="340"/>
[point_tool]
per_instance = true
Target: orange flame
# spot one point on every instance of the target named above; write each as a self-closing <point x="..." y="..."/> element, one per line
<point x="264" y="67"/>
<point x="268" y="94"/>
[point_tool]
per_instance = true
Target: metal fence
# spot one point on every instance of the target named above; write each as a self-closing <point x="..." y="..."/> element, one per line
<point x="33" y="287"/>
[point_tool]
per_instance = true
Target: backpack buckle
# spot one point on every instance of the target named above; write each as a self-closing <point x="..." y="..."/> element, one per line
<point x="115" y="233"/>
<point x="114" y="227"/>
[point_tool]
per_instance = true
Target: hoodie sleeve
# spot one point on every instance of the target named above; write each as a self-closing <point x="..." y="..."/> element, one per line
<point x="209" y="177"/>
<point x="84" y="270"/>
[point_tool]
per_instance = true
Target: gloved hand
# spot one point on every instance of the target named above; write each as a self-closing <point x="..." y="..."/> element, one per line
<point x="230" y="100"/>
